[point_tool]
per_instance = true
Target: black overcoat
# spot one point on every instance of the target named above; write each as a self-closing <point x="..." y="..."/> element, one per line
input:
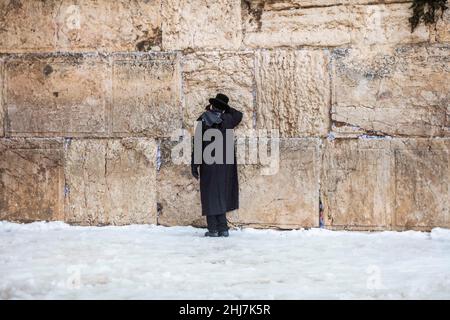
<point x="219" y="186"/>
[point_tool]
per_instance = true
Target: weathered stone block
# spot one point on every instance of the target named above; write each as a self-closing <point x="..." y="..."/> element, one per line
<point x="386" y="183"/>
<point x="327" y="23"/>
<point x="356" y="184"/>
<point x="27" y="25"/>
<point x="2" y="107"/>
<point x="31" y="179"/>
<point x="401" y="91"/>
<point x="111" y="181"/>
<point x="146" y="95"/>
<point x="178" y="191"/>
<point x="58" y="95"/>
<point x="108" y="25"/>
<point x="385" y="24"/>
<point x="289" y="198"/>
<point x="289" y="4"/>
<point x="293" y="92"/>
<point x="422" y="183"/>
<point x="441" y="32"/>
<point x="206" y="74"/>
<point x="265" y="25"/>
<point x="201" y="24"/>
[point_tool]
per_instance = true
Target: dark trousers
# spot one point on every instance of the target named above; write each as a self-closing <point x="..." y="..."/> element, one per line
<point x="217" y="223"/>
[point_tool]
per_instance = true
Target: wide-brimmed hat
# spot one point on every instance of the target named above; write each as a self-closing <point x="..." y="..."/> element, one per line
<point x="220" y="101"/>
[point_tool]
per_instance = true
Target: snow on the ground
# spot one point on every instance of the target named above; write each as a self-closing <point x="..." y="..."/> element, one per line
<point x="55" y="260"/>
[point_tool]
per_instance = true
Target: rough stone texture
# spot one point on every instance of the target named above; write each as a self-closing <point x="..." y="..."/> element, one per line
<point x="31" y="179"/>
<point x="293" y="92"/>
<point x="268" y="26"/>
<point x="110" y="181"/>
<point x="146" y="95"/>
<point x="356" y="184"/>
<point x="83" y="25"/>
<point x="57" y="95"/>
<point x="92" y="72"/>
<point x="205" y="74"/>
<point x="178" y="191"/>
<point x="382" y="184"/>
<point x="328" y="23"/>
<point x="401" y="91"/>
<point x="200" y="24"/>
<point x="2" y="110"/>
<point x="443" y="28"/>
<point x="422" y="183"/>
<point x="385" y="24"/>
<point x="106" y="25"/>
<point x="290" y="197"/>
<point x="27" y="25"/>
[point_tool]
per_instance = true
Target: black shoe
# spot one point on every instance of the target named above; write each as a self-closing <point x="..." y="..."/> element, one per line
<point x="211" y="234"/>
<point x="223" y="233"/>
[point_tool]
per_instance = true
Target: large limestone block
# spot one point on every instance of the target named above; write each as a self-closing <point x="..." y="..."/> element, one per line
<point x="422" y="183"/>
<point x="288" y="198"/>
<point x="178" y="191"/>
<point x="293" y="92"/>
<point x="287" y="4"/>
<point x="357" y="189"/>
<point x="146" y="95"/>
<point x="108" y="25"/>
<point x="206" y="74"/>
<point x="31" y="179"/>
<point x="110" y="181"/>
<point x="327" y="23"/>
<point x="27" y="25"/>
<point x="386" y="24"/>
<point x="201" y="24"/>
<point x="57" y="95"/>
<point x="265" y="25"/>
<point x="401" y="91"/>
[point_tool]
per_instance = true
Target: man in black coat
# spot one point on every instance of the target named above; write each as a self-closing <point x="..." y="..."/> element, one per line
<point x="219" y="188"/>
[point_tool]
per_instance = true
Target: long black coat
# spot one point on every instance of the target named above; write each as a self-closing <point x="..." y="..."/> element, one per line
<point x="219" y="186"/>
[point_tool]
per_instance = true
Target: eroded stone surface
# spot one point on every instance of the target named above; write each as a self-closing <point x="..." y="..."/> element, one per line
<point x="386" y="183"/>
<point x="57" y="95"/>
<point x="422" y="183"/>
<point x="201" y="24"/>
<point x="293" y="92"/>
<point x="386" y="24"/>
<point x="146" y="95"/>
<point x="110" y="181"/>
<point x="357" y="189"/>
<point x="327" y="23"/>
<point x="178" y="191"/>
<point x="401" y="91"/>
<point x="265" y="25"/>
<point x="289" y="198"/>
<point x="31" y="179"/>
<point x="442" y="33"/>
<point x="108" y="25"/>
<point x="27" y="25"/>
<point x="2" y="110"/>
<point x="206" y="74"/>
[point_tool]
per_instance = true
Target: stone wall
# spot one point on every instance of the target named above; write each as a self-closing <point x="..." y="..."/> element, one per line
<point x="91" y="91"/>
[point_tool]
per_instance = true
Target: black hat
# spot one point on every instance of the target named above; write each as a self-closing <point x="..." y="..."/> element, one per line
<point x="220" y="101"/>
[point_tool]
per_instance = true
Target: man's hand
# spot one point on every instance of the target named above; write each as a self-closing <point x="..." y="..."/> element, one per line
<point x="194" y="170"/>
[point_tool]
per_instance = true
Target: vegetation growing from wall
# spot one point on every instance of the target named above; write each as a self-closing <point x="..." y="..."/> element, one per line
<point x="427" y="11"/>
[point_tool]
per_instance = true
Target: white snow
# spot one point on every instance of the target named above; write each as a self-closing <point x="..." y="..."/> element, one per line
<point x="58" y="261"/>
